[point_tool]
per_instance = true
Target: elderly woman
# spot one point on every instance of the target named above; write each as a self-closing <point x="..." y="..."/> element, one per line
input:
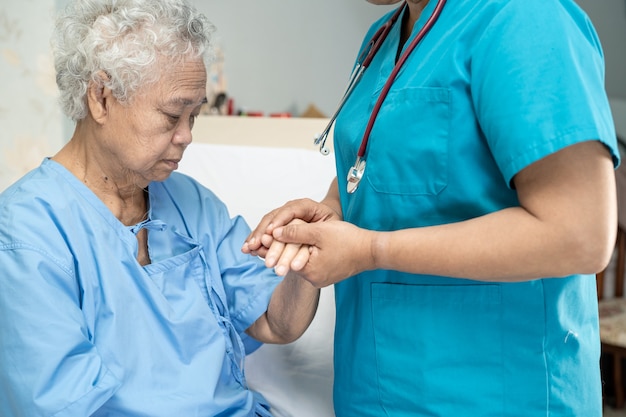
<point x="123" y="291"/>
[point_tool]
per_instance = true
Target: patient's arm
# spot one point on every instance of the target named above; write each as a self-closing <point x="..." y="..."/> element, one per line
<point x="291" y="310"/>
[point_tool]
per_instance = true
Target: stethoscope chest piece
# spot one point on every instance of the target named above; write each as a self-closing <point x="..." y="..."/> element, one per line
<point x="355" y="174"/>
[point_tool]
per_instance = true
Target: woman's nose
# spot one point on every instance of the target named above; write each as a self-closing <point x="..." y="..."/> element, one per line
<point x="182" y="136"/>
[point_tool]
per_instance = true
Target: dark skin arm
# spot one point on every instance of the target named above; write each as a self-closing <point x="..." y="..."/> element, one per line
<point x="565" y="223"/>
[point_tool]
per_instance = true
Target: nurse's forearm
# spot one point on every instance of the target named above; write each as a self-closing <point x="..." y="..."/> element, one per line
<point x="510" y="245"/>
<point x="565" y="224"/>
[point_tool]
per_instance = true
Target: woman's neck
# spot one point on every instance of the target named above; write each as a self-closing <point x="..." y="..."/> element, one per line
<point x="125" y="198"/>
<point x="415" y="8"/>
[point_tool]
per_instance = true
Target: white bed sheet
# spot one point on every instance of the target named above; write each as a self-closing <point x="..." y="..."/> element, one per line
<point x="296" y="378"/>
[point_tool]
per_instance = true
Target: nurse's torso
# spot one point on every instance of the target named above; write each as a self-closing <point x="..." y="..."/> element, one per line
<point x="408" y="345"/>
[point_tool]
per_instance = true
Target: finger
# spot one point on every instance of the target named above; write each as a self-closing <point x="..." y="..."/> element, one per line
<point x="276" y="218"/>
<point x="293" y="210"/>
<point x="267" y="240"/>
<point x="261" y="252"/>
<point x="248" y="249"/>
<point x="253" y="241"/>
<point x="303" y="234"/>
<point x="274" y="253"/>
<point x="301" y="258"/>
<point x="304" y="209"/>
<point x="283" y="264"/>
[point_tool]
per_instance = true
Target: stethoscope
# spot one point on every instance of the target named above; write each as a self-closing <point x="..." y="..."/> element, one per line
<point x="355" y="173"/>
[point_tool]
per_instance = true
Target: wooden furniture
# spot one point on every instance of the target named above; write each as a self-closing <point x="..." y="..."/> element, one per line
<point x="613" y="308"/>
<point x="282" y="132"/>
<point x="613" y="319"/>
<point x="612" y="304"/>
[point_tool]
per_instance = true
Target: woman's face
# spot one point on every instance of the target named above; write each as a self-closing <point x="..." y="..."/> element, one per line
<point x="149" y="135"/>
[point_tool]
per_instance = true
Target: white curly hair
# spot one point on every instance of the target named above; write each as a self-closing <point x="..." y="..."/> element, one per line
<point x="125" y="40"/>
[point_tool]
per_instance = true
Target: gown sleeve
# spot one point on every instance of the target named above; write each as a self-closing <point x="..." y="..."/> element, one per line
<point x="248" y="284"/>
<point x="50" y="366"/>
<point x="243" y="283"/>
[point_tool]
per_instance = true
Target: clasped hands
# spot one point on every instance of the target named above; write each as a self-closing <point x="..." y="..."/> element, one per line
<point x="310" y="239"/>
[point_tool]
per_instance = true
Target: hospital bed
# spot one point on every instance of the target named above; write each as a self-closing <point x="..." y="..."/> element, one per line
<point x="255" y="164"/>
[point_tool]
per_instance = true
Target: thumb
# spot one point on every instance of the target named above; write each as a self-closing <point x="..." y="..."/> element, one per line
<point x="295" y="233"/>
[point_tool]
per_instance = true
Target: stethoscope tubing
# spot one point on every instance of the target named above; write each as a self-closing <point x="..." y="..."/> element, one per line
<point x="355" y="173"/>
<point x="356" y="75"/>
<point x="363" y="61"/>
<point x="394" y="73"/>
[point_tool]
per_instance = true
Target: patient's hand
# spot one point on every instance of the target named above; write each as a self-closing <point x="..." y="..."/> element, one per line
<point x="260" y="239"/>
<point x="285" y="256"/>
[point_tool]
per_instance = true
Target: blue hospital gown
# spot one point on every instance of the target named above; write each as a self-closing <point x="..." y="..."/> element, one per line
<point x="495" y="86"/>
<point x="86" y="330"/>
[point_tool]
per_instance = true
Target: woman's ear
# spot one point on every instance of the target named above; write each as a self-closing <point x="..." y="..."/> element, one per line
<point x="98" y="97"/>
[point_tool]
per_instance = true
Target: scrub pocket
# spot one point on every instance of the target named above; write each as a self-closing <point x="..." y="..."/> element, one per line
<point x="438" y="346"/>
<point x="408" y="149"/>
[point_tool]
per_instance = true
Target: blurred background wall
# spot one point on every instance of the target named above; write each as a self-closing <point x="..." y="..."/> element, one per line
<point x="277" y="57"/>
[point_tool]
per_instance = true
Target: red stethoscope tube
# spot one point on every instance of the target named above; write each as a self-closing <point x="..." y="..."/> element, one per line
<point x="363" y="61"/>
<point x="355" y="173"/>
<point x="394" y="73"/>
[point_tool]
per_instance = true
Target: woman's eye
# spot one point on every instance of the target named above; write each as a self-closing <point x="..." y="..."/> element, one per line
<point x="175" y="119"/>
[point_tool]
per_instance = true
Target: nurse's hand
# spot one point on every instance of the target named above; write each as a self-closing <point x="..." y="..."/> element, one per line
<point x="281" y="256"/>
<point x="260" y="239"/>
<point x="336" y="250"/>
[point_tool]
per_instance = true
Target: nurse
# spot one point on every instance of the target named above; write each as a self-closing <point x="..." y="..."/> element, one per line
<point x="123" y="291"/>
<point x="464" y="261"/>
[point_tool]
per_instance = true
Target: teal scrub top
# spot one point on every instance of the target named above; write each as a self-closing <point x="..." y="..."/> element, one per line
<point x="85" y="330"/>
<point x="493" y="87"/>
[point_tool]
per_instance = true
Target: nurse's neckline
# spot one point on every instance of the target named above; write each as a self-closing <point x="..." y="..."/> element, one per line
<point x="410" y="16"/>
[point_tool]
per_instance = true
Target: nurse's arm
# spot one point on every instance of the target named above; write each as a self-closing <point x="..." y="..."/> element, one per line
<point x="290" y="311"/>
<point x="565" y="224"/>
